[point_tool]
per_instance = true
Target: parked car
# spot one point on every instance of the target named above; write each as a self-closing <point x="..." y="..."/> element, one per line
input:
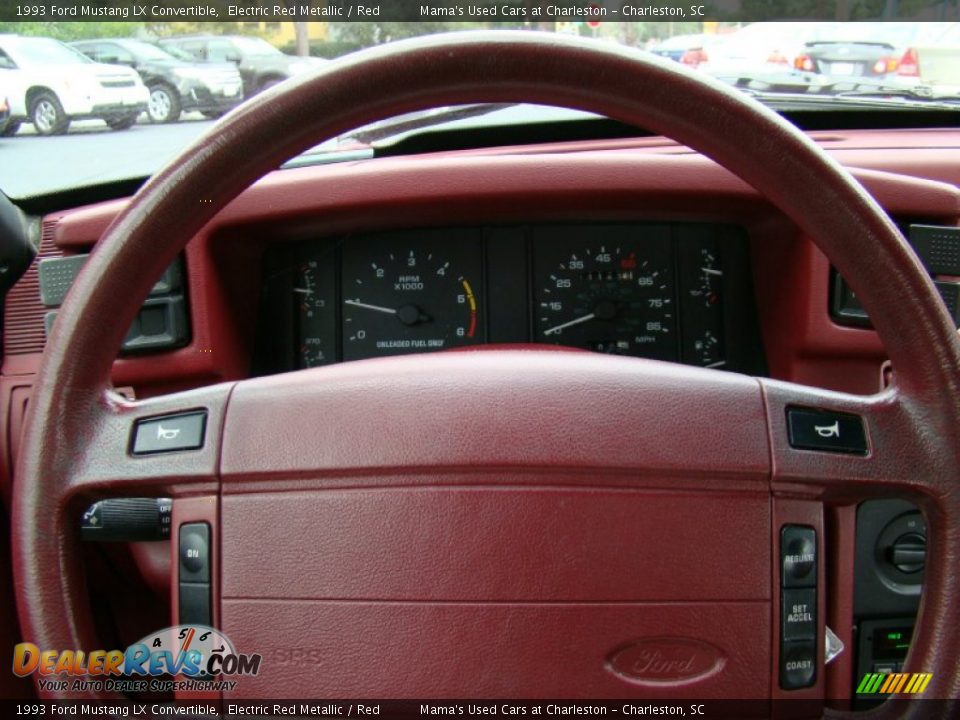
<point x="934" y="59"/>
<point x="175" y="85"/>
<point x="757" y="48"/>
<point x="260" y="64"/>
<point x="55" y="84"/>
<point x="869" y="49"/>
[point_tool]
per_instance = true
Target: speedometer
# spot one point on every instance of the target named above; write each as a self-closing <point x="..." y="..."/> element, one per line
<point x="606" y="288"/>
<point x="410" y="294"/>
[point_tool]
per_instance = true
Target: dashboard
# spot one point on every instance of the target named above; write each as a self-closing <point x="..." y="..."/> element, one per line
<point x="670" y="291"/>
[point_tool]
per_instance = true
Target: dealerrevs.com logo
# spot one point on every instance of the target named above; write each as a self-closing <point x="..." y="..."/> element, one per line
<point x="194" y="653"/>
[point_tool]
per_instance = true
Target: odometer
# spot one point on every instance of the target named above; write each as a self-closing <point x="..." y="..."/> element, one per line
<point x="410" y="293"/>
<point x="606" y="288"/>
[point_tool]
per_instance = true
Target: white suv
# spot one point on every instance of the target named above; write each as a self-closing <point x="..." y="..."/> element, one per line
<point x="50" y="84"/>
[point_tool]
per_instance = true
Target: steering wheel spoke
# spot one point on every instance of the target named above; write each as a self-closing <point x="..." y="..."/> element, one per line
<point x="166" y="446"/>
<point x="841" y="447"/>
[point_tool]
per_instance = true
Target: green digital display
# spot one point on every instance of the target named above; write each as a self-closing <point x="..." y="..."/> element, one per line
<point x="892" y="643"/>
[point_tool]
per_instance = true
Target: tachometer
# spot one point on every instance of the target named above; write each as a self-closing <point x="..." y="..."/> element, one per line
<point x="410" y="294"/>
<point x="606" y="288"/>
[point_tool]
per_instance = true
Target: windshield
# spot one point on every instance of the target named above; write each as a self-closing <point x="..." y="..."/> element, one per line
<point x="43" y="51"/>
<point x="145" y="51"/>
<point x="175" y="52"/>
<point x="254" y="46"/>
<point x="125" y="130"/>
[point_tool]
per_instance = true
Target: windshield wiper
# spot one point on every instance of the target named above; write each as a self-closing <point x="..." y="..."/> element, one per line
<point x="791" y="88"/>
<point x="417" y="121"/>
<point x="360" y="144"/>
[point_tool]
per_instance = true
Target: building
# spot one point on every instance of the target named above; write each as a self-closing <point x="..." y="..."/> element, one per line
<point x="283" y="33"/>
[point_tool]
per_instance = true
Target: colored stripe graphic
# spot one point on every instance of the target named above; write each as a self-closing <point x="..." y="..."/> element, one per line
<point x="891" y="683"/>
<point x="901" y="683"/>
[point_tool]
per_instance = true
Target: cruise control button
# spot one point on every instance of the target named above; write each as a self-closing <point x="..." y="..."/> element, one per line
<point x="827" y="431"/>
<point x="798" y="556"/>
<point x="798" y="664"/>
<point x="798" y="617"/>
<point x="170" y="433"/>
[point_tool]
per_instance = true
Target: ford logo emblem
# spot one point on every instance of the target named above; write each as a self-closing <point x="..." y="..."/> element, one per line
<point x="666" y="661"/>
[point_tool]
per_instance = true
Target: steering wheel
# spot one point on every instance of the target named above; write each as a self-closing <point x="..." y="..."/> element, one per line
<point x="697" y="424"/>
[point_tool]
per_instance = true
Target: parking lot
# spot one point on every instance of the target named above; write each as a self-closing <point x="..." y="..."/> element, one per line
<point x="90" y="153"/>
<point x="176" y="83"/>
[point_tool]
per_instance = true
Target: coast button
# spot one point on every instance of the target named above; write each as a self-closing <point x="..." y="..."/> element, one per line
<point x="798" y="664"/>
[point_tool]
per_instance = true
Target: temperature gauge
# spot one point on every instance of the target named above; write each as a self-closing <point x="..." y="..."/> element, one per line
<point x="313" y="294"/>
<point x="710" y="278"/>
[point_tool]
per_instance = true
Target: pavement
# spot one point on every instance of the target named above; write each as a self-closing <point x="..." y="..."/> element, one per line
<point x="90" y="153"/>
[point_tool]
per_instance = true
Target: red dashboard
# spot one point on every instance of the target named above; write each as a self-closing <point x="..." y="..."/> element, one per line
<point x="912" y="174"/>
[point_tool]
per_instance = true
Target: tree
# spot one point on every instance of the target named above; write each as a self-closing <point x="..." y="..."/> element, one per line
<point x="70" y="31"/>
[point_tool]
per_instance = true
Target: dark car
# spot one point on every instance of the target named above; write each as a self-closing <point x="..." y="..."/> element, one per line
<point x="260" y="63"/>
<point x="860" y="59"/>
<point x="856" y="49"/>
<point x="175" y="85"/>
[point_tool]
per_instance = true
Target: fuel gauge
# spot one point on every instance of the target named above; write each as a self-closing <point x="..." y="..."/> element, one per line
<point x="701" y="296"/>
<point x="709" y="351"/>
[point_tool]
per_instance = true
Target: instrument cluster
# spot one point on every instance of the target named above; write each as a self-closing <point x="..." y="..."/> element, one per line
<point x="669" y="291"/>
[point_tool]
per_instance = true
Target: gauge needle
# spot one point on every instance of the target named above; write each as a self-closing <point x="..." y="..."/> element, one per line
<point x="711" y="271"/>
<point x="377" y="308"/>
<point x="557" y="328"/>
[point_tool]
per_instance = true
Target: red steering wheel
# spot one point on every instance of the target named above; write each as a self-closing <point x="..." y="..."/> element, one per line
<point x="307" y="426"/>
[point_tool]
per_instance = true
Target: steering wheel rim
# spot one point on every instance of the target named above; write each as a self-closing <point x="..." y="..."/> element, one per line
<point x="72" y="406"/>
